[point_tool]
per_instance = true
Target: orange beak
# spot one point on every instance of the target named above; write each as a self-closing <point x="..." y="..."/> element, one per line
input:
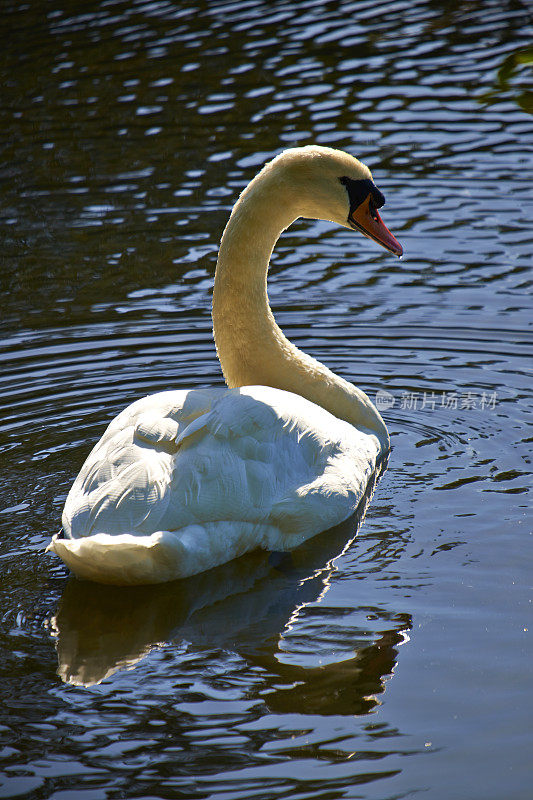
<point x="368" y="221"/>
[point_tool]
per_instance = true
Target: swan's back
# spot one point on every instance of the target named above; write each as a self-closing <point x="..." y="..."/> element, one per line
<point x="183" y="481"/>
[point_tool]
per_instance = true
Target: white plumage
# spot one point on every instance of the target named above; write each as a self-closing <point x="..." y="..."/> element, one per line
<point x="182" y="481"/>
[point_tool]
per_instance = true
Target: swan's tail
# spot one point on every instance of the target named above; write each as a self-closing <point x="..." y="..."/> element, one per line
<point x="125" y="559"/>
<point x="120" y="560"/>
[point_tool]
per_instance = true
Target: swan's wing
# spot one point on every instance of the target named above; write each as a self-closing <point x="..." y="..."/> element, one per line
<point x="329" y="464"/>
<point x="123" y="487"/>
<point x="182" y="481"/>
<point x="173" y="459"/>
<point x="269" y="457"/>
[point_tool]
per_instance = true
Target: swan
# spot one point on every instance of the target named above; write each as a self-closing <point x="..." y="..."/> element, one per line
<point x="184" y="480"/>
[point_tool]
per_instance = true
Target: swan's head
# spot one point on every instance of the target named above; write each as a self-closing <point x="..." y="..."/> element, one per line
<point x="329" y="184"/>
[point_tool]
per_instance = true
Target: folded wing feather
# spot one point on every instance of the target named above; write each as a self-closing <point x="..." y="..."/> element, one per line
<point x="177" y="471"/>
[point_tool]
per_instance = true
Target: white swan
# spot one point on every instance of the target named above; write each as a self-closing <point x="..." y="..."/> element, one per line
<point x="182" y="481"/>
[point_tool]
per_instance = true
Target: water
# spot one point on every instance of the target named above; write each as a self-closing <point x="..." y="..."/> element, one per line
<point x="393" y="666"/>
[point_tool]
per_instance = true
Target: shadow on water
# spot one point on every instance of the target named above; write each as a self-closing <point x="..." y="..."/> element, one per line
<point x="243" y="606"/>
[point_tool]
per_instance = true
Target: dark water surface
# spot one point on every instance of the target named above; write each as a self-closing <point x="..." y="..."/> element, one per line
<point x="401" y="668"/>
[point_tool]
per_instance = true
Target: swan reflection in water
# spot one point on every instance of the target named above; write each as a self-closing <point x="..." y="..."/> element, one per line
<point x="243" y="606"/>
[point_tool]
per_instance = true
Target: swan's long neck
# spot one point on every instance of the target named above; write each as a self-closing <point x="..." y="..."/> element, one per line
<point x="251" y="347"/>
